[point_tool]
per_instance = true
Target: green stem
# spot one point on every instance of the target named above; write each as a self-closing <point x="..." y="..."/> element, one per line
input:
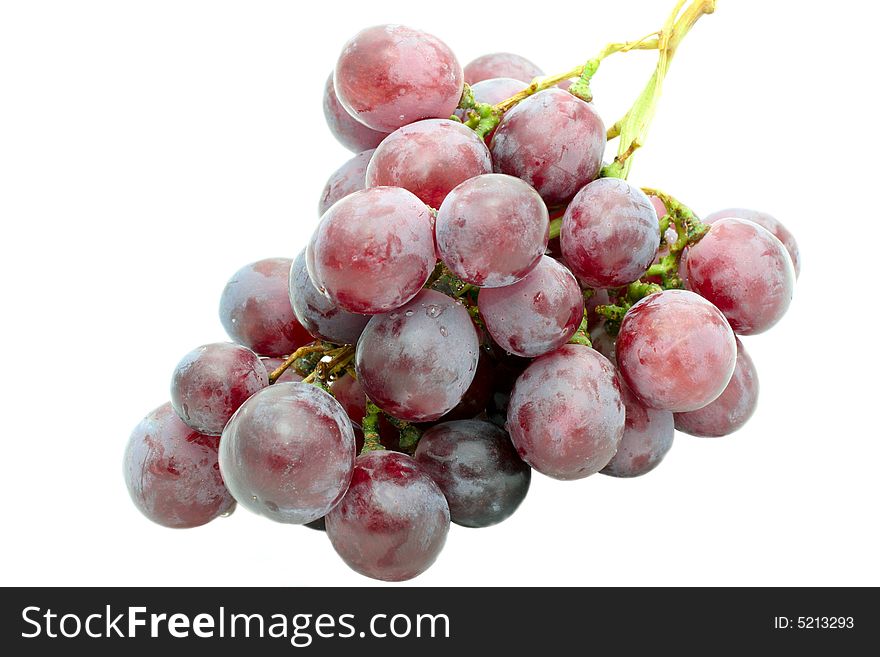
<point x="555" y="228"/>
<point x="409" y="434"/>
<point x="582" y="335"/>
<point x="370" y="426"/>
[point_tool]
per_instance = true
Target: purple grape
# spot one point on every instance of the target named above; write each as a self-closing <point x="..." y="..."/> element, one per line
<point x="373" y="250"/>
<point x="350" y="132"/>
<point x="501" y="65"/>
<point x="255" y="309"/>
<point x="347" y="179"/>
<point x="767" y="221"/>
<point x="646" y="439"/>
<point x="732" y="409"/>
<point x="322" y="318"/>
<point x="536" y="315"/>
<point x="476" y="397"/>
<point x="477" y="468"/>
<point x="492" y="209"/>
<point x="504" y="377"/>
<point x="566" y="416"/>
<point x="417" y="362"/>
<point x="288" y="453"/>
<point x="320" y="524"/>
<point x="290" y="374"/>
<point x="675" y="351"/>
<point x="171" y="472"/>
<point x="392" y="522"/>
<point x="745" y="271"/>
<point x="553" y="141"/>
<point x="391" y="75"/>
<point x="610" y="234"/>
<point x="212" y="381"/>
<point x="429" y="158"/>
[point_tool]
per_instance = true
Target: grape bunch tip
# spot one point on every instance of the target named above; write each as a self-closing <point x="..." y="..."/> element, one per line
<point x="482" y="296"/>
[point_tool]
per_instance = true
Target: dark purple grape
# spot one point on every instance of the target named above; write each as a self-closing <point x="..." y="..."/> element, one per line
<point x="536" y="315"/>
<point x="476" y="397"/>
<point x="392" y="522"/>
<point x="504" y="377"/>
<point x="501" y="65"/>
<point x="767" y="221"/>
<point x="477" y="468"/>
<point x="732" y="409"/>
<point x="566" y="417"/>
<point x="255" y="309"/>
<point x="212" y="381"/>
<point x="646" y="439"/>
<point x="320" y="524"/>
<point x="171" y="472"/>
<point x="288" y="453"/>
<point x="492" y="209"/>
<point x="373" y="250"/>
<point x="552" y="140"/>
<point x="391" y="75"/>
<point x="610" y="234"/>
<point x="322" y="318"/>
<point x="350" y="132"/>
<point x="745" y="271"/>
<point x="429" y="158"/>
<point x="417" y="362"/>
<point x="675" y="351"/>
<point x="349" y="178"/>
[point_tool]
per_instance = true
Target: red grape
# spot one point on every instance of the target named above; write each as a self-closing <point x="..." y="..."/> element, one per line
<point x="767" y="221"/>
<point x="675" y="351"/>
<point x="429" y="158"/>
<point x="553" y="141"/>
<point x="745" y="271"/>
<point x="290" y="374"/>
<point x="171" y="472"/>
<point x="732" y="409"/>
<point x="501" y="65"/>
<point x="566" y="417"/>
<point x="347" y="179"/>
<point x="288" y="453"/>
<point x="392" y="522"/>
<point x="536" y="315"/>
<point x="493" y="90"/>
<point x="610" y="234"/>
<point x="391" y="75"/>
<point x="646" y="439"/>
<point x="348" y="392"/>
<point x="350" y="132"/>
<point x="492" y="209"/>
<point x="255" y="309"/>
<point x="477" y="468"/>
<point x="417" y="362"/>
<point x="373" y="250"/>
<point x="322" y="318"/>
<point x="212" y="381"/>
<point x="476" y="397"/>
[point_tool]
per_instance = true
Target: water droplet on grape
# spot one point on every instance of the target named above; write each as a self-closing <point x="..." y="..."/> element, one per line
<point x="444" y="332"/>
<point x="409" y="313"/>
<point x="433" y="311"/>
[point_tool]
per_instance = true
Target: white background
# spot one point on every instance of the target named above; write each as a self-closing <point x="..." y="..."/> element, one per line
<point x="149" y="149"/>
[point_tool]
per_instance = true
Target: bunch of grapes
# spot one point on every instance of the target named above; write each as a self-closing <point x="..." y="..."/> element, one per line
<point x="481" y="297"/>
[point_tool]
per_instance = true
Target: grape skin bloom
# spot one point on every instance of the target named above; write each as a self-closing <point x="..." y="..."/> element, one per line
<point x="767" y="221"/>
<point x="255" y="309"/>
<point x="610" y="234"/>
<point x="553" y="141"/>
<point x="393" y="521"/>
<point x="373" y="250"/>
<point x="675" y="351"/>
<point x="732" y="409"/>
<point x="477" y="468"/>
<point x="501" y="65"/>
<point x="429" y="158"/>
<point x="536" y="315"/>
<point x="349" y="132"/>
<point x="566" y="415"/>
<point x="322" y="318"/>
<point x="288" y="453"/>
<point x="745" y="271"/>
<point x="351" y="177"/>
<point x="390" y="75"/>
<point x="171" y="472"/>
<point x="646" y="439"/>
<point x="212" y="381"/>
<point x="417" y="362"/>
<point x="497" y="210"/>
